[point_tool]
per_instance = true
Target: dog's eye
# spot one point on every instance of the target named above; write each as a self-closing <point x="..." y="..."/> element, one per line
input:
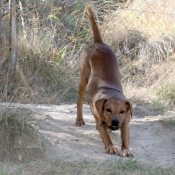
<point x="108" y="110"/>
<point x="122" y="111"/>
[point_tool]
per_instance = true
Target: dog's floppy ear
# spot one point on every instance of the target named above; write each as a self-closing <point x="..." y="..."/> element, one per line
<point x="129" y="107"/>
<point x="100" y="105"/>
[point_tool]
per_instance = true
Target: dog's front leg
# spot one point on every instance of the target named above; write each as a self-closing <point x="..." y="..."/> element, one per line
<point x="110" y="149"/>
<point x="125" y="134"/>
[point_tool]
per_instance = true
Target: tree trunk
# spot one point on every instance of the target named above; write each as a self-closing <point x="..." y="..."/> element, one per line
<point x="1" y="13"/>
<point x="12" y="38"/>
<point x="1" y="22"/>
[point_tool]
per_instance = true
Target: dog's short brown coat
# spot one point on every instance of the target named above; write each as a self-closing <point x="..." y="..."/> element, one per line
<point x="99" y="71"/>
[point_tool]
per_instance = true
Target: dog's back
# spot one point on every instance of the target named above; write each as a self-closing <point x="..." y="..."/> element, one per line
<point x="103" y="57"/>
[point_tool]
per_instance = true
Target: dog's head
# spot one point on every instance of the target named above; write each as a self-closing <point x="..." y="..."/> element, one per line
<point x="114" y="112"/>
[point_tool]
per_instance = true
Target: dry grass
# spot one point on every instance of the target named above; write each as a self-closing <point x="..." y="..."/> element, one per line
<point x="144" y="31"/>
<point x="46" y="60"/>
<point x="111" y="167"/>
<point x="19" y="135"/>
<point x="169" y="120"/>
<point x="47" y="69"/>
<point x="143" y="37"/>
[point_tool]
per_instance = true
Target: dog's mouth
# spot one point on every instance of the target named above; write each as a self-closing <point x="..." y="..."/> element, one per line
<point x="113" y="128"/>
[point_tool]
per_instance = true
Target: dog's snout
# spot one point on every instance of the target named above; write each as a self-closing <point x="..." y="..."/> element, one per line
<point x="115" y="122"/>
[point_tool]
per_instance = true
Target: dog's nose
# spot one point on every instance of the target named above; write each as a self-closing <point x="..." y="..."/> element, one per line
<point x="115" y="122"/>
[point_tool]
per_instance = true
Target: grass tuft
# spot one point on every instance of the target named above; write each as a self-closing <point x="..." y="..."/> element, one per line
<point x="110" y="167"/>
<point x="169" y="120"/>
<point x="20" y="136"/>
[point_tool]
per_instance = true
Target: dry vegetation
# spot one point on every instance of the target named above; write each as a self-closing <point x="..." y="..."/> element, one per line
<point x="47" y="68"/>
<point x="145" y="43"/>
<point x="141" y="33"/>
<point x="84" y="167"/>
<point x="20" y="136"/>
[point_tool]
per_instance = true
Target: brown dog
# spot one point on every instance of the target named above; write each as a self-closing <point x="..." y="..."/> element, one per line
<point x="100" y="73"/>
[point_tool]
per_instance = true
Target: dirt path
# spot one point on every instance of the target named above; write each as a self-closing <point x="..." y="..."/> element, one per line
<point x="149" y="140"/>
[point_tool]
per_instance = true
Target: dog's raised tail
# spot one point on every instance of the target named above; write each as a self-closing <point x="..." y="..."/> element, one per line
<point x="95" y="29"/>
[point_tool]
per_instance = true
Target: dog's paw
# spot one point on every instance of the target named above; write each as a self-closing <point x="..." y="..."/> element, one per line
<point x="79" y="122"/>
<point x="111" y="150"/>
<point x="125" y="153"/>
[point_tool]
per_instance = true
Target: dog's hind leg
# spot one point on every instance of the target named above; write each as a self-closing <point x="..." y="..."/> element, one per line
<point x="84" y="78"/>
